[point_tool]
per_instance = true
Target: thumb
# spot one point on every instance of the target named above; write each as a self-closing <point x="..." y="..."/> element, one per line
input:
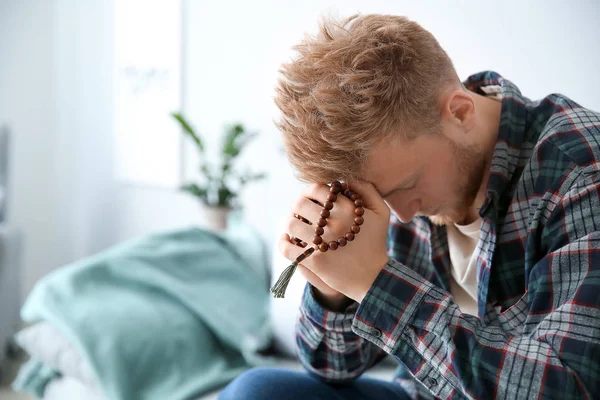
<point x="369" y="195"/>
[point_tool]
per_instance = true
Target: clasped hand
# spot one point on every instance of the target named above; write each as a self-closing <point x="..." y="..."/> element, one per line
<point x="349" y="270"/>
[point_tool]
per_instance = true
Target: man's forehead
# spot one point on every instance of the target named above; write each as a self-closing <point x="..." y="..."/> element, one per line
<point x="386" y="162"/>
<point x="389" y="174"/>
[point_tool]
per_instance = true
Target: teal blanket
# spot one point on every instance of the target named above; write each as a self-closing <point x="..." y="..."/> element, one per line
<point x="167" y="316"/>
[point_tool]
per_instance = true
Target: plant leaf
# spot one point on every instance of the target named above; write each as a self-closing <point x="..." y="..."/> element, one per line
<point x="244" y="140"/>
<point x="187" y="129"/>
<point x="251" y="177"/>
<point x="200" y="192"/>
<point x="225" y="195"/>
<point x="231" y="147"/>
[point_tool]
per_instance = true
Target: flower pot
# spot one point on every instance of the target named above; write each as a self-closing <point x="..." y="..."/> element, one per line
<point x="215" y="218"/>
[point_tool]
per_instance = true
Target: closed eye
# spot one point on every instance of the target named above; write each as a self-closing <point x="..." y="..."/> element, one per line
<point x="400" y="189"/>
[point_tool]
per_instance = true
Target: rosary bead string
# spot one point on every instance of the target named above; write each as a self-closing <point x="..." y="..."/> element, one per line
<point x="335" y="189"/>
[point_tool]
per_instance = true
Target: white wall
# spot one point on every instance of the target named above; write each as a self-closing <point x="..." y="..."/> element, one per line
<point x="234" y="50"/>
<point x="55" y="79"/>
<point x="55" y="93"/>
<point x="83" y="48"/>
<point x="27" y="102"/>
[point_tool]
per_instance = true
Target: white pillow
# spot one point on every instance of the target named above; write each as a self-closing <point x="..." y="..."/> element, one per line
<point x="49" y="345"/>
<point x="68" y="388"/>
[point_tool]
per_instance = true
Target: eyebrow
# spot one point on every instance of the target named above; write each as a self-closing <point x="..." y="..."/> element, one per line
<point x="402" y="186"/>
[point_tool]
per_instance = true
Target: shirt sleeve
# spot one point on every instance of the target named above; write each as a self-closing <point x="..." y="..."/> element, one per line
<point x="326" y="344"/>
<point x="555" y="354"/>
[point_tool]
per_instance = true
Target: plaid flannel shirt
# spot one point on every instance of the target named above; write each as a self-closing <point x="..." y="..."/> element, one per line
<point x="537" y="333"/>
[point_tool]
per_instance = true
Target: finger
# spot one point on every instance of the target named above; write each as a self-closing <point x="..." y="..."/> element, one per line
<point x="287" y="248"/>
<point x="294" y="240"/>
<point x="322" y="191"/>
<point x="301" y="218"/>
<point x="300" y="230"/>
<point x="337" y="219"/>
<point x="310" y="203"/>
<point x="308" y="211"/>
<point x="298" y="242"/>
<point x="317" y="192"/>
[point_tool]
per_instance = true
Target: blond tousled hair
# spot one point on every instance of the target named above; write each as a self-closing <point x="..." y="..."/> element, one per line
<point x="358" y="83"/>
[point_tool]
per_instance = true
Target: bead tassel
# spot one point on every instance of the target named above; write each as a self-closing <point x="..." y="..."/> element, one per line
<point x="280" y="286"/>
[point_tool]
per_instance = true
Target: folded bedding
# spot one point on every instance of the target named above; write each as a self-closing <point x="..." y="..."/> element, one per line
<point x="166" y="316"/>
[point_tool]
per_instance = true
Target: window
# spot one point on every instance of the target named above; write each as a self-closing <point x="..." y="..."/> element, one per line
<point x="148" y="82"/>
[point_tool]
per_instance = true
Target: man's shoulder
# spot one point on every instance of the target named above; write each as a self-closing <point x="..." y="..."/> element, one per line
<point x="569" y="127"/>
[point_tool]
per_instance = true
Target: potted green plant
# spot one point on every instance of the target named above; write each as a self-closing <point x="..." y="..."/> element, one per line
<point x="220" y="186"/>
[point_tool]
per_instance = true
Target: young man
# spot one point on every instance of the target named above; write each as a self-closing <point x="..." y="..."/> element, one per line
<point x="487" y="282"/>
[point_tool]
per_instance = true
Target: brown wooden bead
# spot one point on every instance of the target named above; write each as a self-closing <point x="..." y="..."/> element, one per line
<point x="355" y="196"/>
<point x="355" y="229"/>
<point x="333" y="245"/>
<point x="323" y="247"/>
<point x="319" y="230"/>
<point x="359" y="211"/>
<point x="305" y="254"/>
<point x="344" y="187"/>
<point x="318" y="239"/>
<point x="332" y="197"/>
<point x="324" y="213"/>
<point x="358" y="203"/>
<point x="348" y="193"/>
<point x="342" y="241"/>
<point x="349" y="236"/>
<point x="359" y="220"/>
<point x="336" y="187"/>
<point x="298" y="242"/>
<point x="322" y="222"/>
<point x="328" y="205"/>
<point x="301" y="218"/>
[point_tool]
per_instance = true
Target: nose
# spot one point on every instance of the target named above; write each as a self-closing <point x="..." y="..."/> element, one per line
<point x="408" y="211"/>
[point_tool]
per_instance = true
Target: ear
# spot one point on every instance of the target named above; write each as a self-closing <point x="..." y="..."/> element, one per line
<point x="459" y="110"/>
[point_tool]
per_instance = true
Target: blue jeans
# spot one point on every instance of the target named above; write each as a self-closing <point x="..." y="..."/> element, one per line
<point x="278" y="383"/>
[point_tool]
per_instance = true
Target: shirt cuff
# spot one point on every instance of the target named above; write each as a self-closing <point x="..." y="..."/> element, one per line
<point x="390" y="305"/>
<point x="324" y="318"/>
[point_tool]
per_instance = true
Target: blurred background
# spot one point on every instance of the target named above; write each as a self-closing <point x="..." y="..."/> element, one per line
<point x="57" y="96"/>
<point x="87" y="86"/>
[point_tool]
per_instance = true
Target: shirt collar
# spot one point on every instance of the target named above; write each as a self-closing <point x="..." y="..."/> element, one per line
<point x="511" y="132"/>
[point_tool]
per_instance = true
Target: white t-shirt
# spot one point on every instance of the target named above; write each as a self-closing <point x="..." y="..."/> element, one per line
<point x="462" y="241"/>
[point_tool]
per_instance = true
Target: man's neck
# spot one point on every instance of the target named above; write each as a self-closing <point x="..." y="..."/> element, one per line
<point x="488" y="126"/>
